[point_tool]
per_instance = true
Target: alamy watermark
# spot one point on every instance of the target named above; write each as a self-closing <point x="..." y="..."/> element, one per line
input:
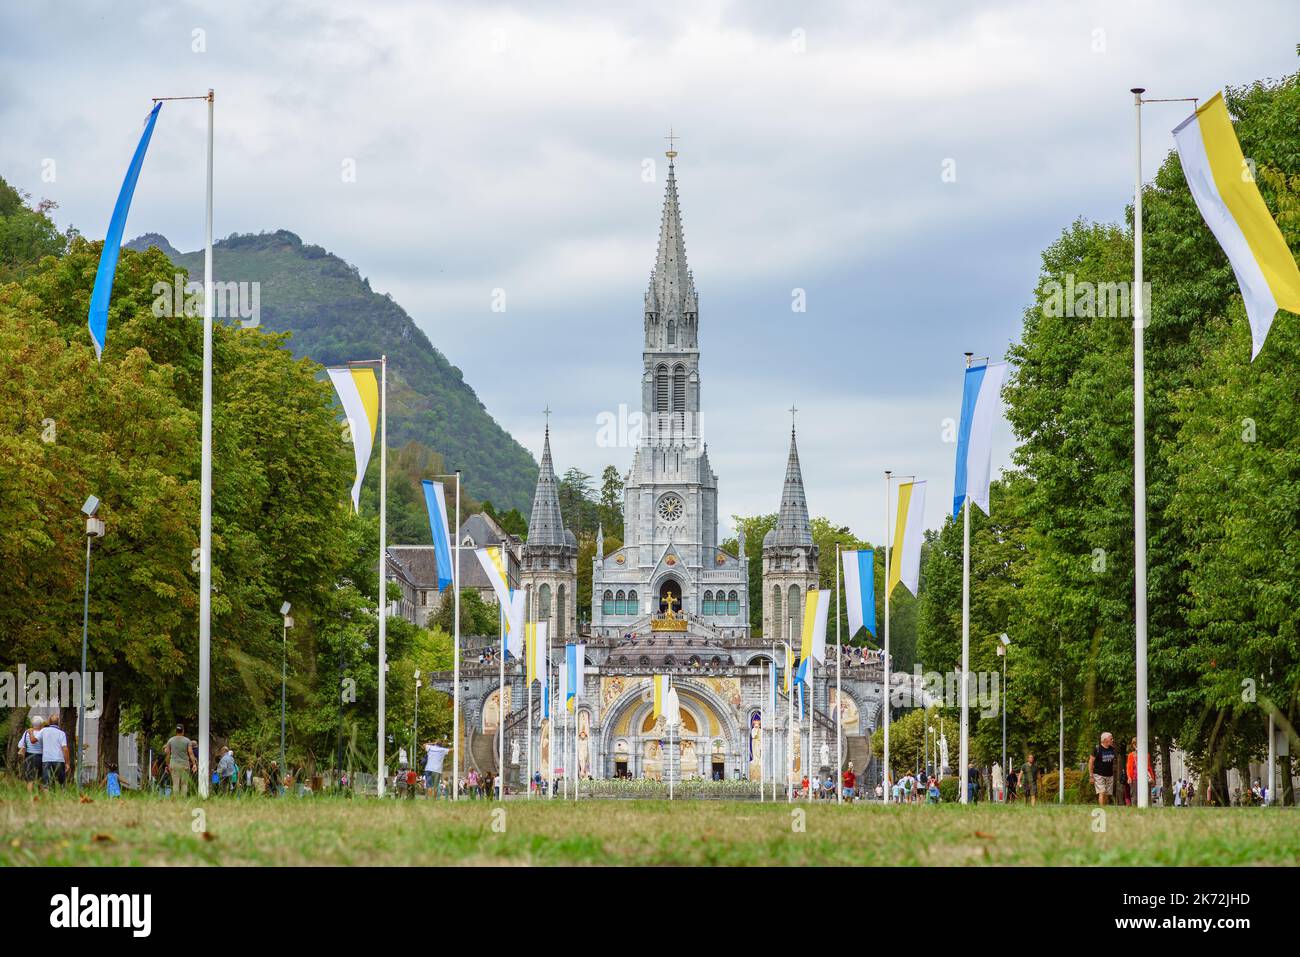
<point x="932" y="688"/>
<point x="52" y="689"/>
<point x="230" y="300"/>
<point x="1084" y="299"/>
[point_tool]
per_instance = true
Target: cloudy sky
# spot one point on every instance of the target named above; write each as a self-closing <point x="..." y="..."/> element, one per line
<point x="519" y="147"/>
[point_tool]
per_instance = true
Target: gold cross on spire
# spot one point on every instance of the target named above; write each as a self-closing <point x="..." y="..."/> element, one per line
<point x="671" y="153"/>
<point x="793" y="410"/>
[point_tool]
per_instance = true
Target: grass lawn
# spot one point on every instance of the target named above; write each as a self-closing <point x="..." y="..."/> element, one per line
<point x="332" y="831"/>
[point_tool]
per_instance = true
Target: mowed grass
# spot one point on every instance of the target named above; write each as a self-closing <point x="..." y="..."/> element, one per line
<point x="138" y="830"/>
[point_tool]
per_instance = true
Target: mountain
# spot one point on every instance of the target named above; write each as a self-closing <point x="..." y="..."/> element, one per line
<point x="335" y="317"/>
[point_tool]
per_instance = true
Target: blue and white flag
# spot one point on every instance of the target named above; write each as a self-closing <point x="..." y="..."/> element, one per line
<point x="97" y="321"/>
<point x="981" y="403"/>
<point x="436" y="501"/>
<point x="574" y="660"/>
<point x="860" y="589"/>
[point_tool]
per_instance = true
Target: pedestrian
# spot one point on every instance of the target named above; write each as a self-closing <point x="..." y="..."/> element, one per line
<point x="29" y="746"/>
<point x="1101" y="766"/>
<point x="435" y="755"/>
<point x="180" y="760"/>
<point x="56" y="763"/>
<point x="112" y="783"/>
<point x="1132" y="768"/>
<point x="850" y="783"/>
<point x="972" y="783"/>
<point x="226" y="771"/>
<point x="1029" y="779"/>
<point x="273" y="786"/>
<point x="1012" y="780"/>
<point x="998" y="783"/>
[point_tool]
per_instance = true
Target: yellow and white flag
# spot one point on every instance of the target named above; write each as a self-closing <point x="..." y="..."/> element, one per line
<point x="493" y="560"/>
<point x="358" y="390"/>
<point x="1223" y="185"/>
<point x="789" y="668"/>
<point x="661" y="685"/>
<point x="909" y="533"/>
<point x="818" y="603"/>
<point x="535" y="637"/>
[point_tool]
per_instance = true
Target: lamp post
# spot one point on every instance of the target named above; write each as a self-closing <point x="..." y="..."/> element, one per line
<point x="94" y="530"/>
<point x="284" y="674"/>
<point x="1003" y="644"/>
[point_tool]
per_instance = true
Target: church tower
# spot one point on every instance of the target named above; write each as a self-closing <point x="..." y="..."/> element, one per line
<point x="789" y="559"/>
<point x="670" y="557"/>
<point x="549" y="565"/>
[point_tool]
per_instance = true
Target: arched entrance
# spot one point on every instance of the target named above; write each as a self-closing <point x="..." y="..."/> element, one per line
<point x="670" y="588"/>
<point x="634" y="743"/>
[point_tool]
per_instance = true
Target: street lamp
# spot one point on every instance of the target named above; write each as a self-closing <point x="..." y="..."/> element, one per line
<point x="1003" y="644"/>
<point x="284" y="676"/>
<point x="94" y="530"/>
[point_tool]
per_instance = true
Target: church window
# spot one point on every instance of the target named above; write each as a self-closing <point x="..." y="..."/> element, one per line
<point x="733" y="604"/>
<point x="672" y="333"/>
<point x="707" y="607"/>
<point x="607" y="605"/>
<point x="620" y="603"/>
<point x="679" y="389"/>
<point x="632" y="607"/>
<point x="793" y="613"/>
<point x="559" y="612"/>
<point x="661" y="389"/>
<point x="544" y="603"/>
<point x="671" y="507"/>
<point x="777" y="620"/>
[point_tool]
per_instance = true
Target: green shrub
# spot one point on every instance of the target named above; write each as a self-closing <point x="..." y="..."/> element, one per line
<point x="1078" y="787"/>
<point x="948" y="792"/>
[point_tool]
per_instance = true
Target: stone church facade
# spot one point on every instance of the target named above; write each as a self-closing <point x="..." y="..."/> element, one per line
<point x="670" y="599"/>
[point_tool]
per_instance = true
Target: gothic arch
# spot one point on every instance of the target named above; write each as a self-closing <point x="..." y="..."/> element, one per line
<point x="633" y="700"/>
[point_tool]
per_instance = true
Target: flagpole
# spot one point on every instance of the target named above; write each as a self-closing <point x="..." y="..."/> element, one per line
<point x="964" y="758"/>
<point x="501" y="696"/>
<point x="776" y="717"/>
<point x="530" y="654"/>
<point x="789" y="742"/>
<point x="839" y="699"/>
<point x="383" y="546"/>
<point x="762" y="735"/>
<point x="205" y="494"/>
<point x="1139" y="461"/>
<point x="551" y="684"/>
<point x="455" y="657"/>
<point x="888" y="662"/>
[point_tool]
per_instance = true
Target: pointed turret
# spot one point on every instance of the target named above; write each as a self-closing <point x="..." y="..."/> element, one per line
<point x="672" y="287"/>
<point x="546" y="527"/>
<point x="792" y="525"/>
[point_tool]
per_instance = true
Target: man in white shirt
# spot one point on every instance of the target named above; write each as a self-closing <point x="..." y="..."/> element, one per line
<point x="435" y="755"/>
<point x="29" y="747"/>
<point x="56" y="763"/>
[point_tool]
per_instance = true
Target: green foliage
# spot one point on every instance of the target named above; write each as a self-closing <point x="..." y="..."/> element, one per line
<point x="1053" y="565"/>
<point x="335" y="317"/>
<point x="476" y="616"/>
<point x="27" y="234"/>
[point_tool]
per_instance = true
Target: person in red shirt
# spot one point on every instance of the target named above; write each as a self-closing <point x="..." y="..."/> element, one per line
<point x="850" y="783"/>
<point x="1132" y="771"/>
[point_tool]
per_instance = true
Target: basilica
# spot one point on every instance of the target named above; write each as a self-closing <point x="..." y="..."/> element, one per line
<point x="669" y="599"/>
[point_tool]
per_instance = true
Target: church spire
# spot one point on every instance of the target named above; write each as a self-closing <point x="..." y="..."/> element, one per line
<point x="792" y="525"/>
<point x="671" y="295"/>
<point x="546" y="527"/>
